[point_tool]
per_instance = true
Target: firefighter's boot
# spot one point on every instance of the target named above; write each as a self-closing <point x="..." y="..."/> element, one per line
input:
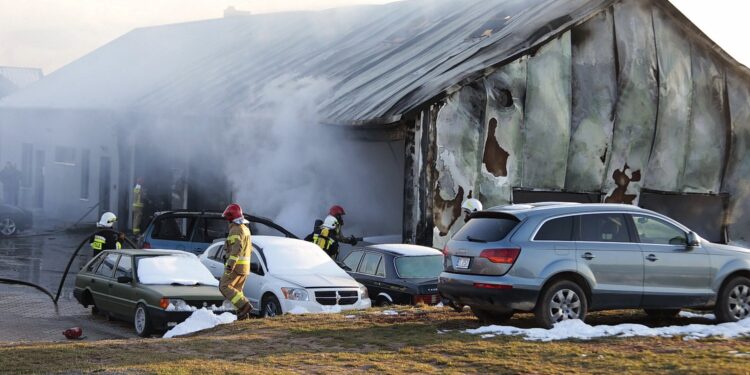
<point x="244" y="312"/>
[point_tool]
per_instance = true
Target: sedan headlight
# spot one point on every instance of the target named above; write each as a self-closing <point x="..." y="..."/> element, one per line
<point x="295" y="294"/>
<point x="363" y="292"/>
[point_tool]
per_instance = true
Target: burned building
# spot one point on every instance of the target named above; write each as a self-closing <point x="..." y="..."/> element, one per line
<point x="426" y="102"/>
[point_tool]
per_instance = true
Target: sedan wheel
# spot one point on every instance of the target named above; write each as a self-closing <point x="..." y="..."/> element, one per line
<point x="563" y="300"/>
<point x="141" y="321"/>
<point x="8" y="226"/>
<point x="271" y="307"/>
<point x="734" y="301"/>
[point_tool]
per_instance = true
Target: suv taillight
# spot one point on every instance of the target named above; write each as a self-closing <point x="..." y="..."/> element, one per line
<point x="146" y="245"/>
<point x="504" y="256"/>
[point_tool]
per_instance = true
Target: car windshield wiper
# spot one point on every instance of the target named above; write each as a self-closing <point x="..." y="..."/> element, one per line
<point x="472" y="239"/>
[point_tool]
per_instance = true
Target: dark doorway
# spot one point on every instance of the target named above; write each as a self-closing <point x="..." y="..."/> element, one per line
<point x="39" y="180"/>
<point x="702" y="213"/>
<point x="535" y="196"/>
<point x="104" y="183"/>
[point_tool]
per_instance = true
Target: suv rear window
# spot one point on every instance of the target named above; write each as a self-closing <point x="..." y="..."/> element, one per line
<point x="486" y="229"/>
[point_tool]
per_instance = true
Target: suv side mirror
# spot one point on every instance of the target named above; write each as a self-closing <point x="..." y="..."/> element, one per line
<point x="124" y="279"/>
<point x="693" y="240"/>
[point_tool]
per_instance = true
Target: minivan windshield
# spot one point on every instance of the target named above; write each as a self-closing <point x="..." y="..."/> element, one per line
<point x="419" y="267"/>
<point x="486" y="229"/>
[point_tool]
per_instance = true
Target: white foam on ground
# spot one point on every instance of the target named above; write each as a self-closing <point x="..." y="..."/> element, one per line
<point x="298" y="310"/>
<point x="198" y="321"/>
<point x="576" y="329"/>
<point x="688" y="314"/>
<point x="389" y="312"/>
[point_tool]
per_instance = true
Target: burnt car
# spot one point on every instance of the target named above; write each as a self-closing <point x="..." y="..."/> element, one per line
<point x="13" y="219"/>
<point x="397" y="273"/>
<point x="195" y="231"/>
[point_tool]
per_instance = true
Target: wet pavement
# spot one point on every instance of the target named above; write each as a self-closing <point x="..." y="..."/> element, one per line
<point x="27" y="314"/>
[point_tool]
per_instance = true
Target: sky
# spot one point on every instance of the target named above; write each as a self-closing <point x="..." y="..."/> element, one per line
<point x="48" y="34"/>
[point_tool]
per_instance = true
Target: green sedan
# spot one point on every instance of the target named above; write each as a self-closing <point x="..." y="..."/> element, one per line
<point x="156" y="289"/>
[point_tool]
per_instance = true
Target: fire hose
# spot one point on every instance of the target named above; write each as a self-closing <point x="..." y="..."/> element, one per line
<point x="56" y="297"/>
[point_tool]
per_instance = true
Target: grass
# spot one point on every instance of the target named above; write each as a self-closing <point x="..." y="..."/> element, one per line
<point x="372" y="342"/>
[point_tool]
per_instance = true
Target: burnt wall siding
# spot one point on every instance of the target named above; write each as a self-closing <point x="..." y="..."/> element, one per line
<point x="594" y="94"/>
<point x="632" y="98"/>
<point x="547" y="112"/>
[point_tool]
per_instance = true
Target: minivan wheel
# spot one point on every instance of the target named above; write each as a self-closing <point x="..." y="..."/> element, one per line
<point x="734" y="300"/>
<point x="563" y="300"/>
<point x="141" y="321"/>
<point x="491" y="317"/>
<point x="662" y="313"/>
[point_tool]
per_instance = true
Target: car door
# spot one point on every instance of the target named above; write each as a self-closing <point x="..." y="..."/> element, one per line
<point x="256" y="280"/>
<point x="607" y="252"/>
<point x="675" y="275"/>
<point x="207" y="230"/>
<point x="214" y="260"/>
<point x="123" y="294"/>
<point x="368" y="273"/>
<point x="101" y="280"/>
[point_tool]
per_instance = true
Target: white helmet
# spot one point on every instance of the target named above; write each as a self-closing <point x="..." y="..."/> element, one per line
<point x="471" y="205"/>
<point x="330" y="222"/>
<point x="107" y="221"/>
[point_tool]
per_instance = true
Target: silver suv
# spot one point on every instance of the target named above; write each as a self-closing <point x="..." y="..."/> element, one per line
<point x="561" y="260"/>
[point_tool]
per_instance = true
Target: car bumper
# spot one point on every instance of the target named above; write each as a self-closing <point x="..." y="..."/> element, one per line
<point x="313" y="307"/>
<point x="494" y="293"/>
<point x="78" y="294"/>
<point x="162" y="320"/>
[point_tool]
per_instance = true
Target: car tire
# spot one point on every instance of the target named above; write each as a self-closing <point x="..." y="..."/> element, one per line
<point x="491" y="317"/>
<point x="563" y="300"/>
<point x="382" y="302"/>
<point x="270" y="306"/>
<point x="8" y="227"/>
<point x="662" y="313"/>
<point x="733" y="303"/>
<point x="142" y="322"/>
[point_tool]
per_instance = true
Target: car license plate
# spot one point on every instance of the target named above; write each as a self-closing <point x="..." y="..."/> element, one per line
<point x="462" y="262"/>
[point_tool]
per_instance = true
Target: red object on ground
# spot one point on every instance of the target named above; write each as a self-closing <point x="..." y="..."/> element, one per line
<point x="73" y="333"/>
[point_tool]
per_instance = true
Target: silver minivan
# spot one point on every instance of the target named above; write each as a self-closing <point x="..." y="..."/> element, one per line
<point x="561" y="260"/>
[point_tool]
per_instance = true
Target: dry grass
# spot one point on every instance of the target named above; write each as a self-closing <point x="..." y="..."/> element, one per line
<point x="372" y="342"/>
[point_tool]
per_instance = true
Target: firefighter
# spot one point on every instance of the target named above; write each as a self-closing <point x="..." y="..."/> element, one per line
<point x="106" y="238"/>
<point x="337" y="212"/>
<point x="470" y="206"/>
<point x="324" y="236"/>
<point x="237" y="265"/>
<point x="137" y="206"/>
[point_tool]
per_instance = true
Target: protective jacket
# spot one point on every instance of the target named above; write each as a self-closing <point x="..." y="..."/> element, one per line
<point x="326" y="240"/>
<point x="137" y="196"/>
<point x="104" y="240"/>
<point x="238" y="249"/>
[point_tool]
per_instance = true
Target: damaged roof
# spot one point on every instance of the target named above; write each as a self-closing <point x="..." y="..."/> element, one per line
<point x="379" y="61"/>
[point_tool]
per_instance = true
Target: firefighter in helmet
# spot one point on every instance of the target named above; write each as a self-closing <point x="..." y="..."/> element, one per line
<point x="106" y="238"/>
<point x="237" y="267"/>
<point x="328" y="234"/>
<point x="470" y="206"/>
<point x="137" y="206"/>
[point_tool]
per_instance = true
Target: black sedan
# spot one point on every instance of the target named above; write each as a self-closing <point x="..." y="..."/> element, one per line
<point x="397" y="273"/>
<point x="13" y="220"/>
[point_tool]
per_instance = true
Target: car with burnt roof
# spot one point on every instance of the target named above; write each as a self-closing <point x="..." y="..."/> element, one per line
<point x="397" y="273"/>
<point x="155" y="289"/>
<point x="562" y="260"/>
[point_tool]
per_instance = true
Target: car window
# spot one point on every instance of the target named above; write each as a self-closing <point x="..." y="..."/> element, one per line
<point x="173" y="228"/>
<point x="603" y="228"/>
<point x="107" y="267"/>
<point x="560" y="229"/>
<point x="255" y="263"/>
<point x="95" y="263"/>
<point x="419" y="267"/>
<point x="381" y="269"/>
<point x="352" y="260"/>
<point x="370" y="263"/>
<point x="486" y="229"/>
<point x="220" y="254"/>
<point x="209" y="229"/>
<point x="213" y="250"/>
<point x="124" y="267"/>
<point x="657" y="231"/>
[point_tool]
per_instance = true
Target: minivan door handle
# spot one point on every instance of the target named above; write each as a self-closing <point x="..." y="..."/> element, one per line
<point x="588" y="256"/>
<point x="652" y="257"/>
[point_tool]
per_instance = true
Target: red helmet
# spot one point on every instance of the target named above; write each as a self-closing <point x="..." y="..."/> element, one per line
<point x="233" y="212"/>
<point x="73" y="333"/>
<point x="336" y="210"/>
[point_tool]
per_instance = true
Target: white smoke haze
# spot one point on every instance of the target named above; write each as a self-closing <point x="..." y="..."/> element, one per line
<point x="283" y="164"/>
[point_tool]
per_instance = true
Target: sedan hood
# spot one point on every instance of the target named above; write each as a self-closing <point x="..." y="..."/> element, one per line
<point x="192" y="292"/>
<point x="320" y="281"/>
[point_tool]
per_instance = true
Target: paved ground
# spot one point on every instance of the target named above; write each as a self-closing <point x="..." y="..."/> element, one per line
<point x="27" y="314"/>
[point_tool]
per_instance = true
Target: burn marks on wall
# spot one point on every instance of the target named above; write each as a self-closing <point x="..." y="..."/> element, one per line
<point x="495" y="159"/>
